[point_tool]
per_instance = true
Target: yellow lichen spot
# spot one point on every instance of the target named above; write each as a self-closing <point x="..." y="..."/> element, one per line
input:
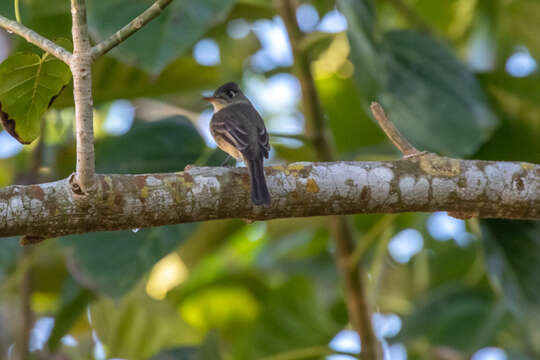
<point x="296" y="167"/>
<point x="436" y="165"/>
<point x="312" y="186"/>
<point x="108" y="180"/>
<point x="144" y="192"/>
<point x="527" y="166"/>
<point x="168" y="273"/>
<point x="281" y="168"/>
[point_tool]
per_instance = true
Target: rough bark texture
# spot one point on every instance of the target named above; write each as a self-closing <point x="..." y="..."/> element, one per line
<point x="427" y="183"/>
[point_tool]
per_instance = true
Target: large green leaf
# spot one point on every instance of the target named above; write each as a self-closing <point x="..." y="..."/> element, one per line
<point x="162" y="146"/>
<point x="292" y="319"/>
<point x="361" y="34"/>
<point x="432" y="97"/>
<point x="427" y="92"/>
<point x="116" y="261"/>
<point x="165" y="38"/>
<point x="10" y="250"/>
<point x="28" y="84"/>
<point x="512" y="253"/>
<point x="137" y="327"/>
<point x="454" y="316"/>
<point x="519" y="103"/>
<point x="70" y="311"/>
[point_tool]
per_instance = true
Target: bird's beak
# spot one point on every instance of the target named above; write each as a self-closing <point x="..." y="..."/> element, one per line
<point x="209" y="98"/>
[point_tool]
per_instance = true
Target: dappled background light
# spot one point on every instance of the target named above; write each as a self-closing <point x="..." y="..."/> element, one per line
<point x="405" y="245"/>
<point x="443" y="227"/>
<point x="490" y="353"/>
<point x="521" y="63"/>
<point x="307" y="17"/>
<point x="276" y="50"/>
<point x="206" y="52"/>
<point x="333" y="22"/>
<point x="8" y="145"/>
<point x="238" y="28"/>
<point x="119" y="118"/>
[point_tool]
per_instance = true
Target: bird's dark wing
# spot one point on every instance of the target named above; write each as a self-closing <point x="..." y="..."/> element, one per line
<point x="242" y="124"/>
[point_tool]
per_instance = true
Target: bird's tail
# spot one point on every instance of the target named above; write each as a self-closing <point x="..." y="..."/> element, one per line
<point x="259" y="190"/>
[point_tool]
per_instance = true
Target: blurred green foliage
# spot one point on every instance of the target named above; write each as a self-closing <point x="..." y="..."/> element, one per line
<point x="230" y="290"/>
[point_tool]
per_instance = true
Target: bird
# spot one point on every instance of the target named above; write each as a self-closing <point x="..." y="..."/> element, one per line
<point x="239" y="130"/>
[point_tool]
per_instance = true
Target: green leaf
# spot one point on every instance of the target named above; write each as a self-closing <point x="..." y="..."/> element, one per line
<point x="28" y="85"/>
<point x="209" y="350"/>
<point x="360" y="16"/>
<point x="70" y="311"/>
<point x="137" y="327"/>
<point x="427" y="92"/>
<point x="512" y="252"/>
<point x="162" y="146"/>
<point x="346" y="114"/>
<point x="292" y="319"/>
<point x="10" y="250"/>
<point x="116" y="261"/>
<point x="453" y="316"/>
<point x="433" y="98"/>
<point x="166" y="37"/>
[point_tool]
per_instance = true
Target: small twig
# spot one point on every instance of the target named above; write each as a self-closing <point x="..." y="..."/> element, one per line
<point x="392" y="132"/>
<point x="34" y="38"/>
<point x="17" y="11"/>
<point x="128" y="30"/>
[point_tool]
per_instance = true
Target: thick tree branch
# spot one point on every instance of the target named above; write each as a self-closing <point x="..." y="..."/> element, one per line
<point x="81" y="68"/>
<point x="426" y="183"/>
<point x="128" y="30"/>
<point x="34" y="38"/>
<point x="341" y="227"/>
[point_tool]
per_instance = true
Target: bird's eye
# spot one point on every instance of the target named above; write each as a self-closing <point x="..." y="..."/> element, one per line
<point x="231" y="93"/>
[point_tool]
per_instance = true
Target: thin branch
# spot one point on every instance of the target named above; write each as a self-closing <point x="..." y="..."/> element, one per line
<point x="36" y="39"/>
<point x="427" y="183"/>
<point x="17" y="11"/>
<point x="81" y="68"/>
<point x="392" y="132"/>
<point x="341" y="227"/>
<point x="128" y="30"/>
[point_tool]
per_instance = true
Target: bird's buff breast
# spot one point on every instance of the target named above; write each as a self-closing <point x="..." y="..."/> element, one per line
<point x="226" y="146"/>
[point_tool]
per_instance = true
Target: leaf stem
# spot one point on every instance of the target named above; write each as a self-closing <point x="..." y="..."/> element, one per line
<point x="17" y="11"/>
